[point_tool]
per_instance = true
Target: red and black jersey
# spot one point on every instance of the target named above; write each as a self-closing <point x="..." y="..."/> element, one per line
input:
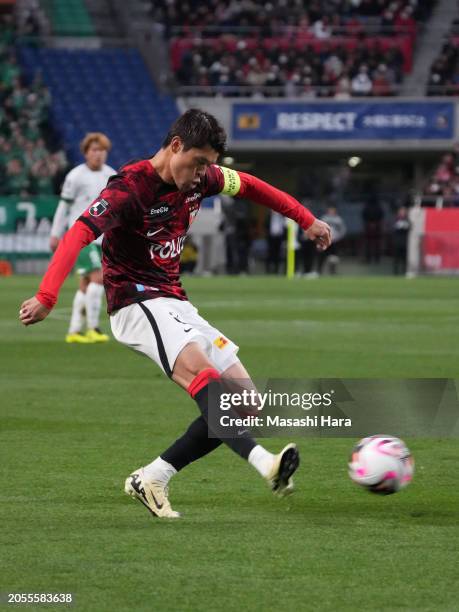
<point x="144" y="221"/>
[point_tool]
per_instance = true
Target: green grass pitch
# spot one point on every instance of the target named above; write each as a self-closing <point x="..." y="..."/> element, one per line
<point x="76" y="419"/>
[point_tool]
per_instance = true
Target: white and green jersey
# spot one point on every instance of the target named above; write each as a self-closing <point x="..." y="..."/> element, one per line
<point x="81" y="186"/>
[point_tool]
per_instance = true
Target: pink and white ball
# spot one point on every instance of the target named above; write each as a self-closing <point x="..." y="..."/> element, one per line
<point x="381" y="464"/>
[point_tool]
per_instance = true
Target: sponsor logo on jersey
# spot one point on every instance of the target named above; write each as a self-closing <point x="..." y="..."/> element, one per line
<point x="167" y="250"/>
<point x="193" y="197"/>
<point x="221" y="342"/>
<point x="140" y="287"/>
<point x="162" y="210"/>
<point x="98" y="208"/>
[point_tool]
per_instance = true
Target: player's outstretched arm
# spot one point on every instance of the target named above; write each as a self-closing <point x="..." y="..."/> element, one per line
<point x="37" y="308"/>
<point x="320" y="233"/>
<point x="243" y="185"/>
<point x="32" y="311"/>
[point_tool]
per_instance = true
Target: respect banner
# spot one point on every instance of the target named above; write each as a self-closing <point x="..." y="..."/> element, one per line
<point x="343" y="121"/>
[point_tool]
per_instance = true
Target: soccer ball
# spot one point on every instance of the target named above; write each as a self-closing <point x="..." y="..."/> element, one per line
<point x="381" y="464"/>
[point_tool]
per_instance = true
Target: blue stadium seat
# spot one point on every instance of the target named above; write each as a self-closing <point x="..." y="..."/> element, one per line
<point x="107" y="90"/>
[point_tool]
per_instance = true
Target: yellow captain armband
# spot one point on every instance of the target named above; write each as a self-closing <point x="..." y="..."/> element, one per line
<point x="232" y="181"/>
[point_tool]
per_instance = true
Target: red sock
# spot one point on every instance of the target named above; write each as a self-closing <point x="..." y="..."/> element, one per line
<point x="202" y="380"/>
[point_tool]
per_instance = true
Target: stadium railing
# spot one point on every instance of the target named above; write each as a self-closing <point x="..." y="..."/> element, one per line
<point x="244" y="91"/>
<point x="436" y="201"/>
<point x="351" y="29"/>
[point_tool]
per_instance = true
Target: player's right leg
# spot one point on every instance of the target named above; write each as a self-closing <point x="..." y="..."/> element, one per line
<point x="194" y="372"/>
<point x="156" y="329"/>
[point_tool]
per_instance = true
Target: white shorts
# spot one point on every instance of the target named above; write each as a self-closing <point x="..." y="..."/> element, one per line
<point x="162" y="327"/>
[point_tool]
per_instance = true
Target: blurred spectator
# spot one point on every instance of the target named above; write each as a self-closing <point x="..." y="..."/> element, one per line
<point x="189" y="256"/>
<point x="235" y="227"/>
<point x="31" y="19"/>
<point x="443" y="184"/>
<point x="338" y="231"/>
<point x="9" y="71"/>
<point x="372" y="217"/>
<point x="275" y="238"/>
<point x="383" y="83"/>
<point x="361" y="84"/>
<point x="401" y="229"/>
<point x="17" y="179"/>
<point x="343" y="88"/>
<point x="322" y="28"/>
<point x="306" y="255"/>
<point x="27" y="165"/>
<point x="444" y="72"/>
<point x="42" y="177"/>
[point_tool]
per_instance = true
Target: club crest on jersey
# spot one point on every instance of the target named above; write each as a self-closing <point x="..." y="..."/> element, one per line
<point x="98" y="208"/>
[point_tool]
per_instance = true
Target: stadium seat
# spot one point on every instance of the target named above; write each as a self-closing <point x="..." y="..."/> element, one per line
<point x="112" y="92"/>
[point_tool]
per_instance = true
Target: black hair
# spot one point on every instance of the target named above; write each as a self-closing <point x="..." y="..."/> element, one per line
<point x="199" y="129"/>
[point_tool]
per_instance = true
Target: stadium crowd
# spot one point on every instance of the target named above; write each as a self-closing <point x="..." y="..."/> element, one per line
<point x="323" y="18"/>
<point x="329" y="48"/>
<point x="30" y="162"/>
<point x="444" y="72"/>
<point x="444" y="181"/>
<point x="335" y="71"/>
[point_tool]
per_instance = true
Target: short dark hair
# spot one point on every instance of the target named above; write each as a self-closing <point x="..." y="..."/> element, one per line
<point x="199" y="129"/>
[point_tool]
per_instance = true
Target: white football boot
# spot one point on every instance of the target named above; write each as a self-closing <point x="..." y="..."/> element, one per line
<point x="153" y="495"/>
<point x="285" y="464"/>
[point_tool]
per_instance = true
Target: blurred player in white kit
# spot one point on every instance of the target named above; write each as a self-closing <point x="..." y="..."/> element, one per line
<point x="81" y="186"/>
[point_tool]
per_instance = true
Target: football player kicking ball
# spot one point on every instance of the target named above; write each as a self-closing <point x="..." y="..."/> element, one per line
<point x="144" y="214"/>
<point x="81" y="186"/>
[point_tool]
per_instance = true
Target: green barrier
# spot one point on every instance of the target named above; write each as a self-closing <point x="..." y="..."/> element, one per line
<point x="25" y="225"/>
<point x="17" y="212"/>
<point x="70" y="18"/>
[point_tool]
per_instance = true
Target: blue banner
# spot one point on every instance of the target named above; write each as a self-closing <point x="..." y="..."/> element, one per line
<point x="343" y="121"/>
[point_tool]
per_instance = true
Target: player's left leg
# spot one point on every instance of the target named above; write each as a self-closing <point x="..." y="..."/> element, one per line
<point x="77" y="320"/>
<point x="94" y="296"/>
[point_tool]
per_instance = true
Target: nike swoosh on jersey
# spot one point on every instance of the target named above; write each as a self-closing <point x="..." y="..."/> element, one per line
<point x="155" y="232"/>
